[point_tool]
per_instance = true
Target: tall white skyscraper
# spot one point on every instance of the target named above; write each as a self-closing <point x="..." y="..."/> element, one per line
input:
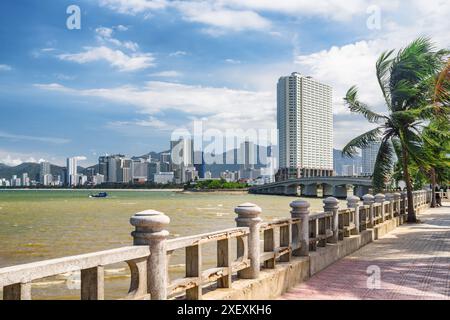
<point x="45" y="169"/>
<point x="305" y="127"/>
<point x="369" y="157"/>
<point x="72" y="171"/>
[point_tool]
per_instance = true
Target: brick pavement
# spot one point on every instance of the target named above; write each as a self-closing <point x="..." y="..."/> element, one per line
<point x="414" y="264"/>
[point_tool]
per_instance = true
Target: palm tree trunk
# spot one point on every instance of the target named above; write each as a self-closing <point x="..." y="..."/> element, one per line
<point x="433" y="187"/>
<point x="411" y="213"/>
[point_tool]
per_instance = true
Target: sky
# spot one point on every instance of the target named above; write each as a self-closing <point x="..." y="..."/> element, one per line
<point x="138" y="69"/>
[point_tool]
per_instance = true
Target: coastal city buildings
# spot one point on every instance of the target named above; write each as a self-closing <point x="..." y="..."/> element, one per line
<point x="72" y="172"/>
<point x="305" y="127"/>
<point x="44" y="171"/>
<point x="369" y="157"/>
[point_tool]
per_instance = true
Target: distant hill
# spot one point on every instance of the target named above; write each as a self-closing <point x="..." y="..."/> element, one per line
<point x="27" y="167"/>
<point x="33" y="168"/>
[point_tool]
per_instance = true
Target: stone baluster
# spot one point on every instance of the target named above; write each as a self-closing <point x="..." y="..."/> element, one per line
<point x="368" y="200"/>
<point x="380" y="198"/>
<point x="404" y="199"/>
<point x="397" y="197"/>
<point x="332" y="205"/>
<point x="300" y="210"/>
<point x="390" y="198"/>
<point x="353" y="203"/>
<point x="151" y="230"/>
<point x="249" y="216"/>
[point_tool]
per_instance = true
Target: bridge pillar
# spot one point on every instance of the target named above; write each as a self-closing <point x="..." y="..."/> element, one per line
<point x="340" y="192"/>
<point x="360" y="191"/>
<point x="293" y="190"/>
<point x="248" y="216"/>
<point x="300" y="210"/>
<point x="150" y="230"/>
<point x="311" y="190"/>
<point x="327" y="190"/>
<point x="332" y="205"/>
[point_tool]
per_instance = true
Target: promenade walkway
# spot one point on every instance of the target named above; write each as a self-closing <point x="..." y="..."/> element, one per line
<point x="414" y="261"/>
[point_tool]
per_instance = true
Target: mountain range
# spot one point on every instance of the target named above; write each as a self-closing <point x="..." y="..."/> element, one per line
<point x="33" y="169"/>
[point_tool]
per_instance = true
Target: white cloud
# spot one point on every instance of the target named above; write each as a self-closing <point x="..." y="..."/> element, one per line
<point x="104" y="35"/>
<point x="12" y="158"/>
<point x="220" y="18"/>
<point x="5" y="67"/>
<point x="221" y="106"/>
<point x="177" y="53"/>
<point x="337" y="10"/>
<point x="116" y="58"/>
<point x="232" y="61"/>
<point x="133" y="6"/>
<point x="150" y="122"/>
<point x="167" y="74"/>
<point x="121" y="27"/>
<point x="10" y="136"/>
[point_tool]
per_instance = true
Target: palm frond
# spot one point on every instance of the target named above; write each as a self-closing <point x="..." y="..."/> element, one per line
<point x="383" y="67"/>
<point x="383" y="165"/>
<point x="351" y="100"/>
<point x="362" y="141"/>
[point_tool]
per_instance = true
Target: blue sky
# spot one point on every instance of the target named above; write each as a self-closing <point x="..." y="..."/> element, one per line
<point x="138" y="69"/>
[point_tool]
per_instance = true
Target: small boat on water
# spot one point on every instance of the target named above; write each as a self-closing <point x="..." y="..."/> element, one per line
<point x="99" y="195"/>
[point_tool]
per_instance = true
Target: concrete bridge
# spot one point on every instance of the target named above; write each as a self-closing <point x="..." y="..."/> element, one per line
<point x="256" y="260"/>
<point x="339" y="187"/>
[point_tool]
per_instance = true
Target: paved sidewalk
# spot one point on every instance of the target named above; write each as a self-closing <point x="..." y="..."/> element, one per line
<point x="414" y="261"/>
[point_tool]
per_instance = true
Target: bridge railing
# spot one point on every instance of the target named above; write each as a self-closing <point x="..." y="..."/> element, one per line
<point x="259" y="245"/>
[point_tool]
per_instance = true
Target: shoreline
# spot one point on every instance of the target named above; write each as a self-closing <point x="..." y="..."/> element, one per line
<point x="223" y="191"/>
<point x="97" y="190"/>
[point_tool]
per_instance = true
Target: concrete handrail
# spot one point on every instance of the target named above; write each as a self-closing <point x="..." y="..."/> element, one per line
<point x="299" y="234"/>
<point x="16" y="280"/>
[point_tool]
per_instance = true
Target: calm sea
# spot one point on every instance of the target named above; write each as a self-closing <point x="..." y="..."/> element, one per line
<point x="39" y="225"/>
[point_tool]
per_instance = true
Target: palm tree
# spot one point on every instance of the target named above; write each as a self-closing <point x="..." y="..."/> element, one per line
<point x="404" y="80"/>
<point x="436" y="136"/>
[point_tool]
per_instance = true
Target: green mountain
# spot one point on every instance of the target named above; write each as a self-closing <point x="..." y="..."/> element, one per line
<point x="32" y="169"/>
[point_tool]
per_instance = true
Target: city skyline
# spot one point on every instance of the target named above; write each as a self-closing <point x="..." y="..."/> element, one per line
<point x="133" y="74"/>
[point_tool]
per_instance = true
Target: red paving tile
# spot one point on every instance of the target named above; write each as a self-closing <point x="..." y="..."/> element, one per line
<point x="414" y="261"/>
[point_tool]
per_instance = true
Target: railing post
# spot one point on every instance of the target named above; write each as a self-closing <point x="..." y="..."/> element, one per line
<point x="380" y="198"/>
<point x="248" y="216"/>
<point x="353" y="203"/>
<point x="368" y="200"/>
<point x="397" y="202"/>
<point x="300" y="210"/>
<point x="150" y="230"/>
<point x="332" y="205"/>
<point x="404" y="200"/>
<point x="390" y="198"/>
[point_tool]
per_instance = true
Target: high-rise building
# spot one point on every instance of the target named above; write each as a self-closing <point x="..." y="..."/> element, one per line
<point x="72" y="171"/>
<point x="140" y="169"/>
<point x="25" y="180"/>
<point x="182" y="158"/>
<point x="124" y="171"/>
<point x="45" y="169"/>
<point x="153" y="169"/>
<point x="305" y="127"/>
<point x="369" y="157"/>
